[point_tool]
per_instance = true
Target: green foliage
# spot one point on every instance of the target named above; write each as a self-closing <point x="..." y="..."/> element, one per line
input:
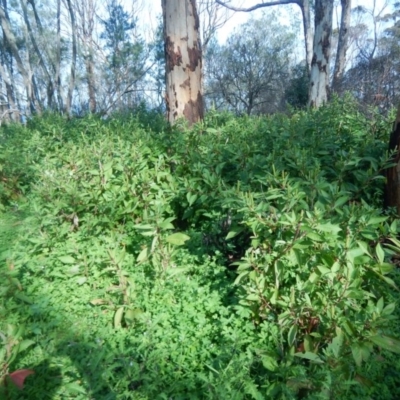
<point x="247" y="258"/>
<point x="248" y="73"/>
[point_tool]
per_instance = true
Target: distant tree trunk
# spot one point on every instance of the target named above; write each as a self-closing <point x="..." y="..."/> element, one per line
<point x="74" y="56"/>
<point x="87" y="11"/>
<point x="91" y="81"/>
<point x="392" y="189"/>
<point x="8" y="108"/>
<point x="183" y="58"/>
<point x="42" y="62"/>
<point x="12" y="45"/>
<point x="344" y="34"/>
<point x="319" y="78"/>
<point x="57" y="66"/>
<point x="308" y="31"/>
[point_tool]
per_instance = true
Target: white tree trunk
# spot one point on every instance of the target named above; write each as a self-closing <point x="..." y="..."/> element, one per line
<point x="344" y="34"/>
<point x="319" y="78"/>
<point x="12" y="42"/>
<point x="308" y="31"/>
<point x="183" y="58"/>
<point x="71" y="86"/>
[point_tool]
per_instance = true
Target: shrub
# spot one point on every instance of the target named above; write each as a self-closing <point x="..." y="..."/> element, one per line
<point x="244" y="258"/>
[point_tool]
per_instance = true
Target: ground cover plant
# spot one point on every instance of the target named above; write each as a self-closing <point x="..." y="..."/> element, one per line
<point x="245" y="258"/>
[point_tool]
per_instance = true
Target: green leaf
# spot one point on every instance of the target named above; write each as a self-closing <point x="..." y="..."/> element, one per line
<point x="269" y="363"/>
<point x="232" y="234"/>
<point x="310" y="356"/>
<point x="191" y="198"/>
<point x="314" y="236"/>
<point x="292" y="335"/>
<point x="341" y="200"/>
<point x="74" y="388"/>
<point x="389" y="281"/>
<point x="144" y="227"/>
<point x="329" y="227"/>
<point x="389" y="309"/>
<point x="166" y="225"/>
<point x="376" y="220"/>
<point x="379" y="305"/>
<point x="252" y="297"/>
<point x="142" y="255"/>
<point x="177" y="239"/>
<point x="81" y="280"/>
<point x="380" y="253"/>
<point x="67" y="259"/>
<point x="386" y="268"/>
<point x="357" y="354"/>
<point x="118" y="317"/>
<point x="364" y="247"/>
<point x="25" y="344"/>
<point x="336" y="344"/>
<point x="132" y="315"/>
<point x="386" y="342"/>
<point x="323" y="270"/>
<point x="23" y="297"/>
<point x="97" y="302"/>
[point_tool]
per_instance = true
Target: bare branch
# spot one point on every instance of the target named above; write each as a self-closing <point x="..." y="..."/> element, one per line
<point x="260" y="5"/>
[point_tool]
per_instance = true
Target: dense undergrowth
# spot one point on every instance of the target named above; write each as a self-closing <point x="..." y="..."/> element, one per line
<point x="246" y="258"/>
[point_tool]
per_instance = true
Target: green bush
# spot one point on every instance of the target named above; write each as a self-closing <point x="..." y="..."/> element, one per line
<point x="246" y="258"/>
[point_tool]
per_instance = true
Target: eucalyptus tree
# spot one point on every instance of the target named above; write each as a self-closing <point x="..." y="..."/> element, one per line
<point x="30" y="61"/>
<point x="319" y="75"/>
<point x="183" y="67"/>
<point x="10" y="40"/>
<point x="343" y="44"/>
<point x="317" y="44"/>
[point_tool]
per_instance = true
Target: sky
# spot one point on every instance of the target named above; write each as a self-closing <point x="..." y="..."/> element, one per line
<point x="152" y="8"/>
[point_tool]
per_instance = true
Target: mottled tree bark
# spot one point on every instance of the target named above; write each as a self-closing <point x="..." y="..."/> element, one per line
<point x="319" y="77"/>
<point x="183" y="58"/>
<point x="344" y="34"/>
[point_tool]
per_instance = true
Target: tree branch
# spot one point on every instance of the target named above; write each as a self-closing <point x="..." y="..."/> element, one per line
<point x="260" y="5"/>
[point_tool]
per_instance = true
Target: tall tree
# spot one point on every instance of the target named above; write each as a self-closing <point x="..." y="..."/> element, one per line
<point x="11" y="43"/>
<point x="183" y="57"/>
<point x="343" y="41"/>
<point x="86" y="12"/>
<point x="39" y="54"/>
<point x="319" y="77"/>
<point x="8" y="98"/>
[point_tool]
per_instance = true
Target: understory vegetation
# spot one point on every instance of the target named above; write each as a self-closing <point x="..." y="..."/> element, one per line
<point x="245" y="258"/>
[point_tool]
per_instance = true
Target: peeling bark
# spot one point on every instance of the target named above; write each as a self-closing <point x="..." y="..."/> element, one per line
<point x="319" y="78"/>
<point x="183" y="57"/>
